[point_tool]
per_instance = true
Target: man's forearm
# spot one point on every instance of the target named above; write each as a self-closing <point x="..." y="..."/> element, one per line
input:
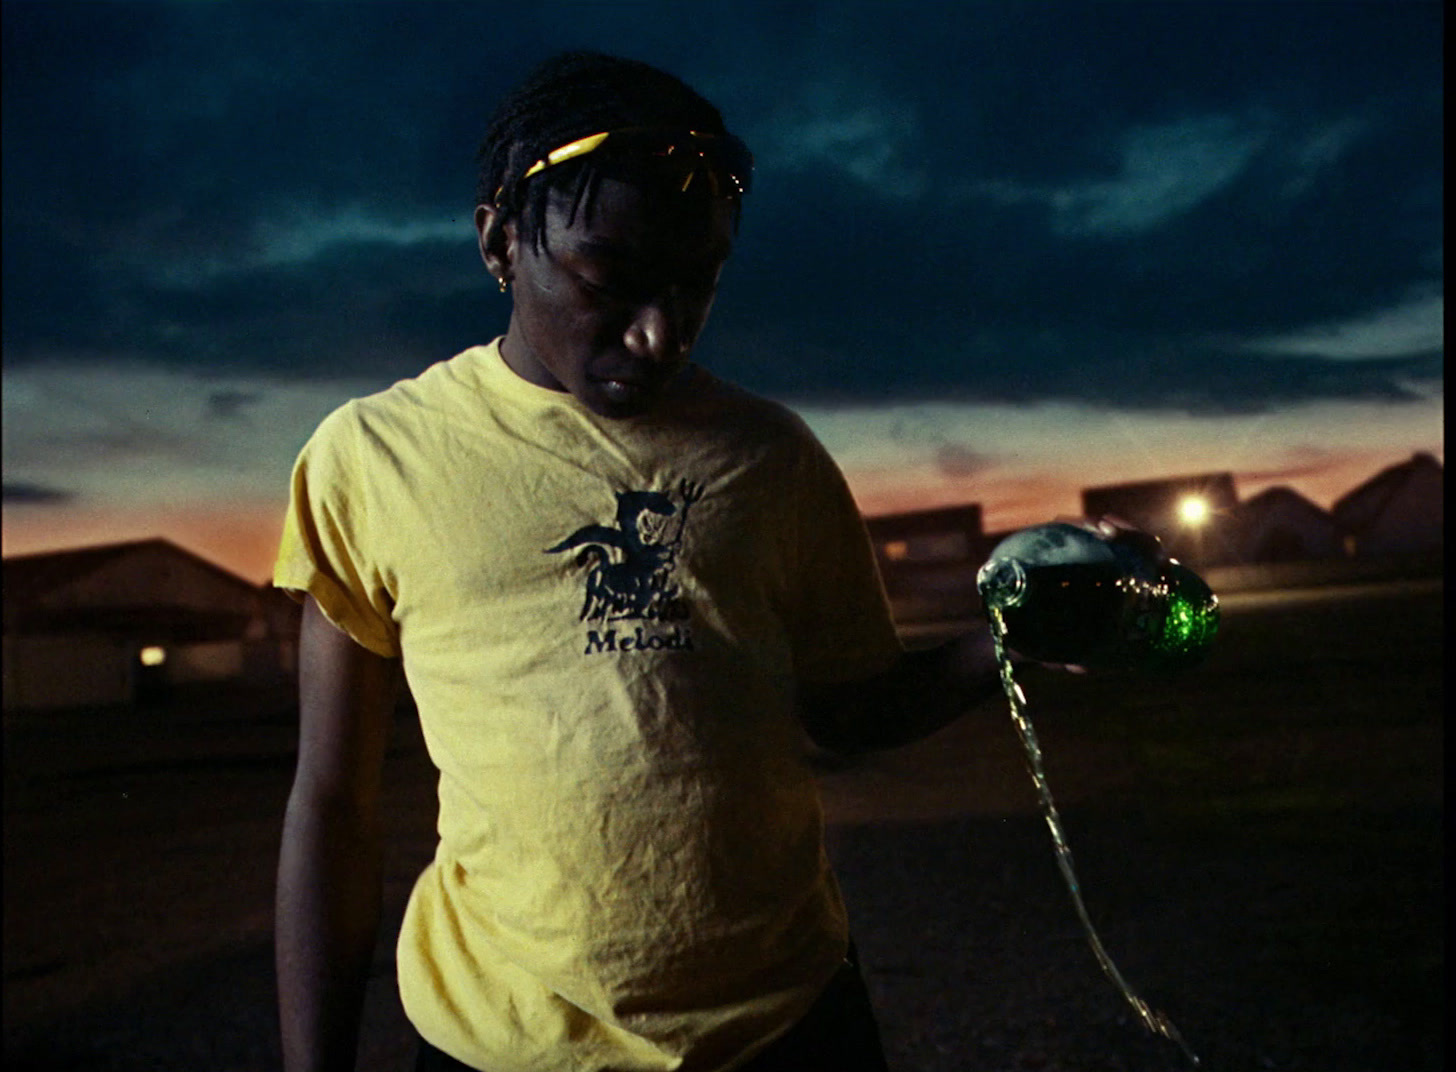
<point x="924" y="692"/>
<point x="328" y="907"/>
<point x="938" y="685"/>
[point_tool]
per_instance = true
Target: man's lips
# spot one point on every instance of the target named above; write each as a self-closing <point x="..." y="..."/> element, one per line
<point x="632" y="385"/>
<point x="629" y="374"/>
<point x="626" y="389"/>
<point x="629" y="379"/>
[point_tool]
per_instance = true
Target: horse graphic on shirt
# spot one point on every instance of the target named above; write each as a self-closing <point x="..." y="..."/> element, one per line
<point x="629" y="571"/>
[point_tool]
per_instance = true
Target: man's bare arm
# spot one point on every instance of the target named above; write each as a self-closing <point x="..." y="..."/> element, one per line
<point x="923" y="692"/>
<point x="329" y="872"/>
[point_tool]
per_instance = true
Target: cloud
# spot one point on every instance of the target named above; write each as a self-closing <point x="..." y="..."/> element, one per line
<point x="849" y="128"/>
<point x="296" y="237"/>
<point x="1165" y="170"/>
<point x="22" y="493"/>
<point x="230" y="404"/>
<point x="957" y="460"/>
<point x="129" y="433"/>
<point x="1297" y="463"/>
<point x="1415" y="326"/>
<point x="1319" y="149"/>
<point x="956" y="360"/>
<point x="303" y="238"/>
<point x="1031" y="460"/>
<point x="246" y="191"/>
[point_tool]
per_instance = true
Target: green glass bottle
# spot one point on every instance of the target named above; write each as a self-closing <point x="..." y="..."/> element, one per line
<point x="1072" y="593"/>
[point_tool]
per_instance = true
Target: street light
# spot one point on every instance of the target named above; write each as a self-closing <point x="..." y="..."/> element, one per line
<point x="1194" y="511"/>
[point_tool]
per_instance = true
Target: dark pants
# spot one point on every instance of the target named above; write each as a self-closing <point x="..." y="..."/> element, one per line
<point x="837" y="1034"/>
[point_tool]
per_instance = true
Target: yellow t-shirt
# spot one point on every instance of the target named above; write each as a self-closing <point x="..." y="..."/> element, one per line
<point x="601" y="622"/>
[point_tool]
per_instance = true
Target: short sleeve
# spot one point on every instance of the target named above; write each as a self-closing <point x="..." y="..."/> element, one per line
<point x="325" y="549"/>
<point x="841" y="628"/>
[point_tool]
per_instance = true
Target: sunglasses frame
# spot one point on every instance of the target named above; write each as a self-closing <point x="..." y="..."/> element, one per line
<point x="717" y="154"/>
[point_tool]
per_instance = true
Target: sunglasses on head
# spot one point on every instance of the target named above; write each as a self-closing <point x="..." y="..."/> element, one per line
<point x="723" y="160"/>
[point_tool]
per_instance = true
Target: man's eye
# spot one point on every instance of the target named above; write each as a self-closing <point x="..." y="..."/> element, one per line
<point x="604" y="288"/>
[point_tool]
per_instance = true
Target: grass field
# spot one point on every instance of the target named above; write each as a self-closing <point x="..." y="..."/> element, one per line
<point x="1259" y="843"/>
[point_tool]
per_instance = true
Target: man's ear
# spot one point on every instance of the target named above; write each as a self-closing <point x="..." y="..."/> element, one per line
<point x="497" y="242"/>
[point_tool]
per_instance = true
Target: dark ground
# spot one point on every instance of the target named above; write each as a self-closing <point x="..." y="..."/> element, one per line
<point x="1259" y="843"/>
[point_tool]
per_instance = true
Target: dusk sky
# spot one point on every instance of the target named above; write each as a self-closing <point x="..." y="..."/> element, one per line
<point x="995" y="252"/>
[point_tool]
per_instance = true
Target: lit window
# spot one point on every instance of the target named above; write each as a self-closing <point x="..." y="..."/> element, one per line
<point x="896" y="550"/>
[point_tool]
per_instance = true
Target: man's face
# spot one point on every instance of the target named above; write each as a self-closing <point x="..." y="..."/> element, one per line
<point x="610" y="307"/>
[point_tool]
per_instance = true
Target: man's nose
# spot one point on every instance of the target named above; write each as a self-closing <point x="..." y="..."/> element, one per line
<point x="658" y="332"/>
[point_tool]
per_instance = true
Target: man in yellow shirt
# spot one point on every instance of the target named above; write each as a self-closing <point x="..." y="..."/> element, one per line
<point x="620" y="589"/>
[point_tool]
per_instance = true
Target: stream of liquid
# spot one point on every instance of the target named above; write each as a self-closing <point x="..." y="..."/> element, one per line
<point x="1152" y="1018"/>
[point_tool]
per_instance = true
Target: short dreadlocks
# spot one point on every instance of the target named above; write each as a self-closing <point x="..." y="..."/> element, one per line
<point x="571" y="96"/>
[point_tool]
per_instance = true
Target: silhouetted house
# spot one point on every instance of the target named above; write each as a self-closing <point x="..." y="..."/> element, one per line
<point x="283" y="618"/>
<point x="1281" y="525"/>
<point x="1162" y="507"/>
<point x="1399" y="511"/>
<point x="946" y="533"/>
<point x="928" y="559"/>
<point x="113" y="624"/>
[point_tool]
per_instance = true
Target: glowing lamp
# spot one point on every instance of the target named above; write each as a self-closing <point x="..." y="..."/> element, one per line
<point x="1193" y="511"/>
<point x="152" y="656"/>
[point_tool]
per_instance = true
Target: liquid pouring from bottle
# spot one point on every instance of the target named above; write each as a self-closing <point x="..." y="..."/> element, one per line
<point x="1079" y="598"/>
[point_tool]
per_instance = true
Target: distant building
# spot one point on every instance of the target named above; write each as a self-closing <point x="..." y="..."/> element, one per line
<point x="282" y="623"/>
<point x="946" y="533"/>
<point x="928" y="559"/>
<point x="1192" y="515"/>
<point x="1281" y="525"/>
<point x="1399" y="511"/>
<point x="116" y="623"/>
